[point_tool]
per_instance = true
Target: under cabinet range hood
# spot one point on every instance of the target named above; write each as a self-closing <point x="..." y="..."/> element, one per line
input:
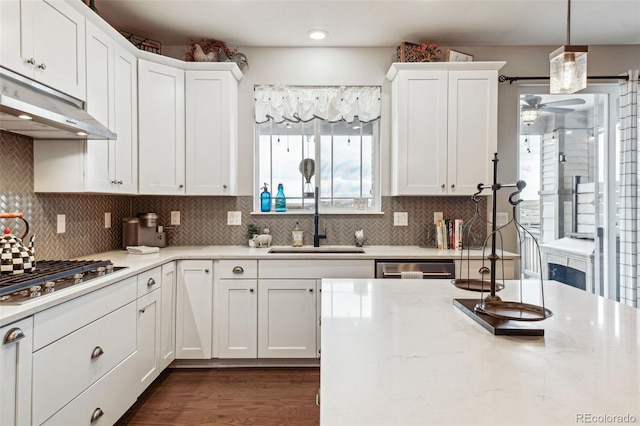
<point x="32" y="109"/>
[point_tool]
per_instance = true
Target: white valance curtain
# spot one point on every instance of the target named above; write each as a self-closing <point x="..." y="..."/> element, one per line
<point x="299" y="103"/>
<point x="629" y="175"/>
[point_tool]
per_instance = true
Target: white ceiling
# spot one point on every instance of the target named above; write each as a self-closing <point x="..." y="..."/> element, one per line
<point x="247" y="23"/>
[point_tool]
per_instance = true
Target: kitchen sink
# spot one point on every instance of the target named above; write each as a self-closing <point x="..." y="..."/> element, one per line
<point x="308" y="249"/>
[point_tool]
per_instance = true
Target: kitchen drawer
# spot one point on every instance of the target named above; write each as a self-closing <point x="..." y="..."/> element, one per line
<point x="474" y="269"/>
<point x="107" y="399"/>
<point x="149" y="280"/>
<point x="65" y="368"/>
<point x="57" y="322"/>
<point x="245" y="268"/>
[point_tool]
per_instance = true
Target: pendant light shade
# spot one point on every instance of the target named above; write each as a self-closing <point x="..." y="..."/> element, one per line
<point x="568" y="65"/>
<point x="529" y="116"/>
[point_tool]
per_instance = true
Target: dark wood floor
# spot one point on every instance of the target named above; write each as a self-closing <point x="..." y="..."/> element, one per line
<point x="229" y="396"/>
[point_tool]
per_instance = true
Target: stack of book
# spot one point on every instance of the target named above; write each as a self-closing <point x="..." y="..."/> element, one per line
<point x="449" y="234"/>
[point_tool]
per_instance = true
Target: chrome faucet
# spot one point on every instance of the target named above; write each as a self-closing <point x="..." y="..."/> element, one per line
<point x="316" y="223"/>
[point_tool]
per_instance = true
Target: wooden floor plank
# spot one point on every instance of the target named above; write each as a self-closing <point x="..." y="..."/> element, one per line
<point x="229" y="396"/>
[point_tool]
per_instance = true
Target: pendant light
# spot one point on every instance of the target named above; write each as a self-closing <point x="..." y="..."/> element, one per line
<point x="568" y="65"/>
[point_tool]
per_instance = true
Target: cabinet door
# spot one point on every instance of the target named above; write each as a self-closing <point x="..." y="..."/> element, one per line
<point x="15" y="370"/>
<point x="148" y="332"/>
<point x="237" y="318"/>
<point x="287" y="318"/>
<point x="45" y="40"/>
<point x="419" y="133"/>
<point x="125" y="149"/>
<point x="194" y="309"/>
<point x="100" y="165"/>
<point x="168" y="315"/>
<point x="161" y="129"/>
<point x="473" y="126"/>
<point x="211" y="133"/>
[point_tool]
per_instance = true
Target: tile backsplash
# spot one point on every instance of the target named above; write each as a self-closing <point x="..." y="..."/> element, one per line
<point x="203" y="219"/>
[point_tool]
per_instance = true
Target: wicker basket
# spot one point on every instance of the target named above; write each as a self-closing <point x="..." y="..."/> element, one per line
<point x="411" y="52"/>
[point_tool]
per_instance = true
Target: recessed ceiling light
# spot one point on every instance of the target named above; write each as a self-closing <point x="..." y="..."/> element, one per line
<point x="25" y="117"/>
<point x="317" y="34"/>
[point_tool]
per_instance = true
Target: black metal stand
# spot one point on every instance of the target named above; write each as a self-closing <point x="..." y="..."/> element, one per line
<point x="480" y="310"/>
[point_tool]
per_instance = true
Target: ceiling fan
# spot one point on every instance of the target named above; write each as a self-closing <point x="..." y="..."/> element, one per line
<point x="534" y="103"/>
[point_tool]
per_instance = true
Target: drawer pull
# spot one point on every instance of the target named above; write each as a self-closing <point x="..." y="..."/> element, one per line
<point x="97" y="413"/>
<point x="13" y="336"/>
<point x="151" y="282"/>
<point x="237" y="270"/>
<point x="484" y="270"/>
<point x="97" y="351"/>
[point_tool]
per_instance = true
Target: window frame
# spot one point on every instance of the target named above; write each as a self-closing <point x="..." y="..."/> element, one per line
<point x="376" y="165"/>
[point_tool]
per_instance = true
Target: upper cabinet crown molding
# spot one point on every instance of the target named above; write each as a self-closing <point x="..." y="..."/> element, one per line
<point x="447" y="66"/>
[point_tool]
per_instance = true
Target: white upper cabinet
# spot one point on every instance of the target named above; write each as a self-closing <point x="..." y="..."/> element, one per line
<point x="211" y="133"/>
<point x="161" y="129"/>
<point x="444" y="126"/>
<point x="44" y="40"/>
<point x="106" y="166"/>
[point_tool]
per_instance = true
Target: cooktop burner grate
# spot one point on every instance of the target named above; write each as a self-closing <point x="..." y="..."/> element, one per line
<point x="50" y="275"/>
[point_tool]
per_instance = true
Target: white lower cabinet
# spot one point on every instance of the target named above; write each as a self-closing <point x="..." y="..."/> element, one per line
<point x="168" y="315"/>
<point x="194" y="309"/>
<point x="80" y="345"/>
<point x="237" y="318"/>
<point x="287" y="318"/>
<point x="148" y="322"/>
<point x="15" y="372"/>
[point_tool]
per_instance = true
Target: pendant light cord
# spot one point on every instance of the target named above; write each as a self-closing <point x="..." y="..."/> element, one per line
<point x="569" y="23"/>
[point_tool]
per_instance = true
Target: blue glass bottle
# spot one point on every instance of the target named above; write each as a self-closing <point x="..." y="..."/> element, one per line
<point x="265" y="199"/>
<point x="281" y="200"/>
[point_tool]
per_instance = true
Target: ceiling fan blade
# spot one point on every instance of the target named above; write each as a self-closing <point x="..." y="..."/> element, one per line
<point x="531" y="100"/>
<point x="557" y="110"/>
<point x="574" y="101"/>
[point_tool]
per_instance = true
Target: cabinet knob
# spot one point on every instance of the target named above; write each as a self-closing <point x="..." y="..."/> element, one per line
<point x="310" y="290"/>
<point x="142" y="311"/>
<point x="453" y="185"/>
<point x="97" y="413"/>
<point x="13" y="336"/>
<point x="237" y="270"/>
<point x="181" y="186"/>
<point x="115" y="182"/>
<point x="120" y="182"/>
<point x="224" y="186"/>
<point x="206" y="271"/>
<point x="42" y="66"/>
<point x="31" y="61"/>
<point x="250" y="290"/>
<point x="443" y="186"/>
<point x="151" y="282"/>
<point x="97" y="351"/>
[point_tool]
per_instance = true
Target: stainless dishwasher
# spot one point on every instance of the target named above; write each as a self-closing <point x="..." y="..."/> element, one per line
<point x="439" y="269"/>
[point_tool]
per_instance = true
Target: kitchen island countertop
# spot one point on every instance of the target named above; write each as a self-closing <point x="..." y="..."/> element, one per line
<point x="397" y="352"/>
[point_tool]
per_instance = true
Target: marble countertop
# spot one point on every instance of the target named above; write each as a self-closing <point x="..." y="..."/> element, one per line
<point x="139" y="263"/>
<point x="397" y="352"/>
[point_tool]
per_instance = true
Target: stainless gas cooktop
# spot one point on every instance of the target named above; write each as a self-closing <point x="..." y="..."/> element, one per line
<point x="51" y="276"/>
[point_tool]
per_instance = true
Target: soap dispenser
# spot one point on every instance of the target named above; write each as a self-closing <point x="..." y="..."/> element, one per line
<point x="297" y="237"/>
<point x="265" y="199"/>
<point x="281" y="200"/>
